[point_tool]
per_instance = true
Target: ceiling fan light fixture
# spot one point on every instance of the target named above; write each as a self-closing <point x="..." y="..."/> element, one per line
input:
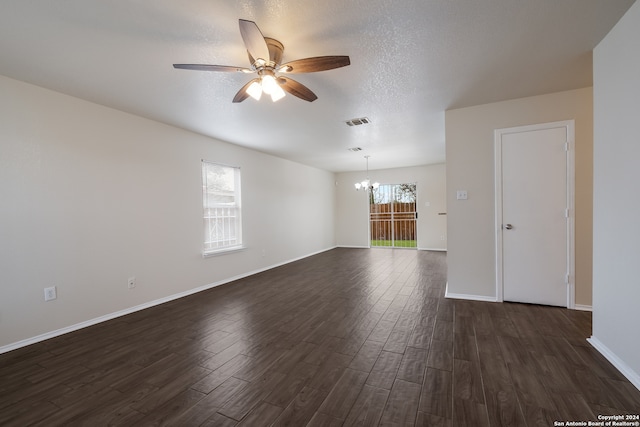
<point x="277" y="93"/>
<point x="255" y="90"/>
<point x="269" y="84"/>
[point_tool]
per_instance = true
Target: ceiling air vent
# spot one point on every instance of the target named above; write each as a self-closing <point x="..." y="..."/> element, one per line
<point x="354" y="149"/>
<point x="358" y="122"/>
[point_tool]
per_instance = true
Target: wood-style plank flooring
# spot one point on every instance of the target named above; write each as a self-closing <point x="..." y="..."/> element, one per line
<point x="347" y="337"/>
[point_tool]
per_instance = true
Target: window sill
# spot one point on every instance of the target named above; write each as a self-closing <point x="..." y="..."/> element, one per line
<point x="223" y="251"/>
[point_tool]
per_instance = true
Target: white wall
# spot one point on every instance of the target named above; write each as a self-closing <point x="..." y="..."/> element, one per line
<point x="470" y="166"/>
<point x="616" y="233"/>
<point x="353" y="209"/>
<point x="90" y="196"/>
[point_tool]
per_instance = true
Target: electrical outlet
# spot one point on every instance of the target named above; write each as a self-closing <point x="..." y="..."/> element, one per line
<point x="131" y="282"/>
<point x="461" y="195"/>
<point x="50" y="293"/>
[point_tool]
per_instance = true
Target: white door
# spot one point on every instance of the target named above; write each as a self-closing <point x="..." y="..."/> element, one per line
<point x="533" y="213"/>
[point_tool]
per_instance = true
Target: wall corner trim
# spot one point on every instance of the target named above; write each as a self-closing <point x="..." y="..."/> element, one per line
<point x="618" y="363"/>
<point x="582" y="307"/>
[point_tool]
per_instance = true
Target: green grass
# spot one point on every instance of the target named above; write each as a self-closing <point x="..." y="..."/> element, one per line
<point x="398" y="243"/>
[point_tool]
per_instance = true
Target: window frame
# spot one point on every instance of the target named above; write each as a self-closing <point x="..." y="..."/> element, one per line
<point x="208" y="249"/>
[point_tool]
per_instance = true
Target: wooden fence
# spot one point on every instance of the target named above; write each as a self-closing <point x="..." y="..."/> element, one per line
<point x="400" y="216"/>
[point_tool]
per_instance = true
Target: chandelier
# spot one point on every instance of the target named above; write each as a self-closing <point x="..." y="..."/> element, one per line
<point x="366" y="185"/>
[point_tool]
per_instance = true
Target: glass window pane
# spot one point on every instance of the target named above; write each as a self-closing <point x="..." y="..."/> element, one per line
<point x="221" y="207"/>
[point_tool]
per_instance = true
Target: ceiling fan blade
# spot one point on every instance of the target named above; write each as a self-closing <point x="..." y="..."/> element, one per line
<point x="297" y="89"/>
<point x="242" y="93"/>
<point x="318" y="63"/>
<point x="254" y="40"/>
<point x="204" y="67"/>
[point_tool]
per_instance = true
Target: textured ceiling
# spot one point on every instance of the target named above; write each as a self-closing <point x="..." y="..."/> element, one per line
<point x="410" y="61"/>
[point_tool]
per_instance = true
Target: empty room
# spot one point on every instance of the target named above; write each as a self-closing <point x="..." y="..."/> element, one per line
<point x="270" y="213"/>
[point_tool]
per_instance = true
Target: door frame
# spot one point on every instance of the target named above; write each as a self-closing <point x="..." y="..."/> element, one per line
<point x="570" y="213"/>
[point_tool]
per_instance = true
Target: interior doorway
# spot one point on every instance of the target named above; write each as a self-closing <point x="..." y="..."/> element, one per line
<point x="392" y="216"/>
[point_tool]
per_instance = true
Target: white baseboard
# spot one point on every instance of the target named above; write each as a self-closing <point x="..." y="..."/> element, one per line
<point x="432" y="249"/>
<point x="110" y="316"/>
<point x="353" y="247"/>
<point x="483" y="298"/>
<point x="620" y="365"/>
<point x="582" y="307"/>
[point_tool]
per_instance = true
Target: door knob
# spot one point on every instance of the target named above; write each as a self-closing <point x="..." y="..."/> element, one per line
<point x="508" y="226"/>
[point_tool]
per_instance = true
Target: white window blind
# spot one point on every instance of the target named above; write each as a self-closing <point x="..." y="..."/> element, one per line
<point x="222" y="208"/>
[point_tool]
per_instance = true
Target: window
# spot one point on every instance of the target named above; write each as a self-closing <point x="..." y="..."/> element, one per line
<point x="222" y="213"/>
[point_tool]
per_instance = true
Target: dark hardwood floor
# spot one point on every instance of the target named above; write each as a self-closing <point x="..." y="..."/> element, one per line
<point x="347" y="337"/>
